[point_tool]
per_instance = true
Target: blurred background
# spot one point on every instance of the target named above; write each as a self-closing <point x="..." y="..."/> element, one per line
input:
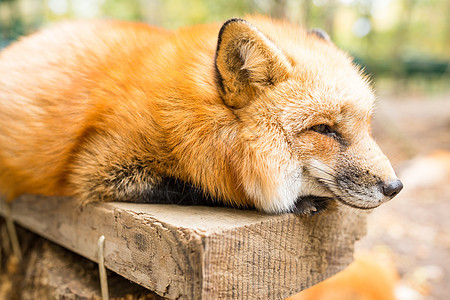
<point x="404" y="45"/>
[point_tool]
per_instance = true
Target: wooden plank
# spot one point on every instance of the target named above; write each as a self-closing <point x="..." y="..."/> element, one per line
<point x="51" y="272"/>
<point x="200" y="252"/>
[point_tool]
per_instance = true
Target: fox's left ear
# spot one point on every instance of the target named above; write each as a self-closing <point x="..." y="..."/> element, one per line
<point x="247" y="62"/>
<point x="320" y="33"/>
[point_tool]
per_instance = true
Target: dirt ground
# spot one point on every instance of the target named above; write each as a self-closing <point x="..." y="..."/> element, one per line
<point x="414" y="228"/>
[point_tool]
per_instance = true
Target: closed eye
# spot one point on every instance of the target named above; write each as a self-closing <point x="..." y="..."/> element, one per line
<point x="325" y="130"/>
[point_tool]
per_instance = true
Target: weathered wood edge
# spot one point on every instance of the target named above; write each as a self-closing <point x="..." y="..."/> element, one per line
<point x="138" y="246"/>
<point x="200" y="252"/>
<point x="280" y="257"/>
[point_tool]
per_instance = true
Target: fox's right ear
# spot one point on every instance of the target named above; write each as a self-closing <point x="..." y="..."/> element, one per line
<point x="246" y="62"/>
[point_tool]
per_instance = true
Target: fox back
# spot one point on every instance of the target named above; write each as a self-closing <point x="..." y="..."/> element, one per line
<point x="254" y="112"/>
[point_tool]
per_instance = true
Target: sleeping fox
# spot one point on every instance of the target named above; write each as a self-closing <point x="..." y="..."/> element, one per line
<point x="250" y="113"/>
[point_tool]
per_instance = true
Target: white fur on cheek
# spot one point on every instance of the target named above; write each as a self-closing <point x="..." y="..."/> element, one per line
<point x="285" y="196"/>
<point x="292" y="184"/>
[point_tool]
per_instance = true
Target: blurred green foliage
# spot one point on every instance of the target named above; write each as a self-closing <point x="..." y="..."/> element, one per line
<point x="390" y="38"/>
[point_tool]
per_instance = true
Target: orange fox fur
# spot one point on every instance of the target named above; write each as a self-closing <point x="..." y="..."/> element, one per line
<point x="252" y="112"/>
<point x="367" y="278"/>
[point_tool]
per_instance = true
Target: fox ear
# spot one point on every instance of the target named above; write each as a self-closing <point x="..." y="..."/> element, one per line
<point x="246" y="62"/>
<point x="320" y="33"/>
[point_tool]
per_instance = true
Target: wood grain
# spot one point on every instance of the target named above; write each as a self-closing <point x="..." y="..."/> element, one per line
<point x="195" y="252"/>
<point x="52" y="272"/>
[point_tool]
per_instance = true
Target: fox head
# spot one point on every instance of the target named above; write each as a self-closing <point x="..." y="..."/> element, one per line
<point x="304" y="112"/>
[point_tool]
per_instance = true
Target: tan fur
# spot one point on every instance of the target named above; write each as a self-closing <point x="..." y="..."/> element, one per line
<point x="106" y="110"/>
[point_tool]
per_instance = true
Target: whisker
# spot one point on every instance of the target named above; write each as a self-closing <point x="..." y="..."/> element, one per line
<point x="322" y="185"/>
<point x="326" y="172"/>
<point x="332" y="168"/>
<point x="325" y="182"/>
<point x="328" y="182"/>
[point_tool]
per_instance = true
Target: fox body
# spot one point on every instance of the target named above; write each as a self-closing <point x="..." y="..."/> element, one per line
<point x="252" y="112"/>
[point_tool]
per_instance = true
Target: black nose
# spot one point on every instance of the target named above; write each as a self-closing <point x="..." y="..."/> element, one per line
<point x="392" y="188"/>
